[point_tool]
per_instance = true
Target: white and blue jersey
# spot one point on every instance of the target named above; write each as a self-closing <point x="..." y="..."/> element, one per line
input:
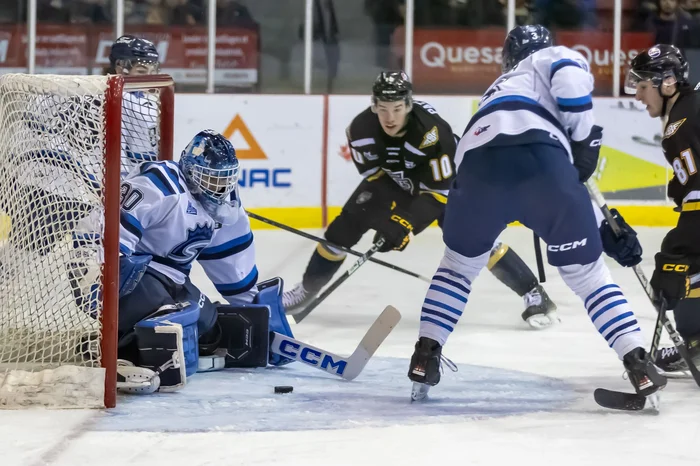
<point x="547" y="95"/>
<point x="140" y="130"/>
<point x="160" y="217"/>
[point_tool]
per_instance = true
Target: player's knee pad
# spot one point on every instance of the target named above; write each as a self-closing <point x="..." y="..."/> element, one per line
<point x="168" y="343"/>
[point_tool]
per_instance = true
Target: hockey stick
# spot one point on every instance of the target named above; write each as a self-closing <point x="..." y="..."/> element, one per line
<point x="346" y="250"/>
<point x="538" y="257"/>
<point x="662" y="319"/>
<point x="347" y="368"/>
<point x="298" y="317"/>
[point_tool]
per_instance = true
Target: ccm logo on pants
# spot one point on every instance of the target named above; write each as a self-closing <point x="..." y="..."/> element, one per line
<point x="567" y="246"/>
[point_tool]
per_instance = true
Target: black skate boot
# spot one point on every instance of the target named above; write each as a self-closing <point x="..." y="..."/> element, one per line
<point x="642" y="373"/>
<point x="540" y="312"/>
<point x="670" y="362"/>
<point x="424" y="370"/>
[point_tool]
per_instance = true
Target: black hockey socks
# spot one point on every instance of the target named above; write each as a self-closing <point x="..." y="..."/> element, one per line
<point x="510" y="269"/>
<point x="324" y="262"/>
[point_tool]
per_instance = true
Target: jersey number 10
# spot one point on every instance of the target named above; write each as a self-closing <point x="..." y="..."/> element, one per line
<point x="680" y="168"/>
<point x="442" y="168"/>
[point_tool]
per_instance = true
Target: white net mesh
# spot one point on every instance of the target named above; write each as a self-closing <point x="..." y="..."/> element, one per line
<point x="52" y="153"/>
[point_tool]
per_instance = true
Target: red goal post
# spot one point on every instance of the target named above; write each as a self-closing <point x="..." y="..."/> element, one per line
<point x="62" y="143"/>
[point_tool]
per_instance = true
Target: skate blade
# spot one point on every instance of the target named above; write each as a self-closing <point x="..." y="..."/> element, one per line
<point x="653" y="401"/>
<point x="419" y="391"/>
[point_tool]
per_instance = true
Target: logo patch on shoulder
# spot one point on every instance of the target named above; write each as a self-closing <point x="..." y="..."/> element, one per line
<point x="671" y="128"/>
<point x="430" y="138"/>
<point x="191" y="209"/>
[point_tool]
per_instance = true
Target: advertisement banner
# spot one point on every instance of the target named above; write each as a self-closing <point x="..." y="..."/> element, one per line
<point x="183" y="51"/>
<point x="468" y="61"/>
<point x="278" y="140"/>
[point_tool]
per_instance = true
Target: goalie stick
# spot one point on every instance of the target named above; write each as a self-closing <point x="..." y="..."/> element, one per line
<point x="346" y="368"/>
<point x="632" y="401"/>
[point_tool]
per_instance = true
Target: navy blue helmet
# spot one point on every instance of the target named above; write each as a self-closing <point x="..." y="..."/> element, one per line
<point x="128" y="51"/>
<point x="211" y="167"/>
<point x="522" y="42"/>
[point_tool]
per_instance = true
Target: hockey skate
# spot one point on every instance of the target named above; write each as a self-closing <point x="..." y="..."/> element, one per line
<point x="296" y="299"/>
<point x="540" y="312"/>
<point x="643" y="375"/>
<point x="426" y="367"/>
<point x="671" y="363"/>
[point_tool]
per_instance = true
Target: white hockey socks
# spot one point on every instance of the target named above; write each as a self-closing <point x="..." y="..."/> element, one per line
<point x="448" y="294"/>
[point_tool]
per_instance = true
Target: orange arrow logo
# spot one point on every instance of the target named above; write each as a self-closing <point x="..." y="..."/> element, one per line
<point x="243" y="140"/>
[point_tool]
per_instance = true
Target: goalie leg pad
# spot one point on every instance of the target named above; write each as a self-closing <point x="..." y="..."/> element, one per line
<point x="245" y="334"/>
<point x="270" y="294"/>
<point x="168" y="344"/>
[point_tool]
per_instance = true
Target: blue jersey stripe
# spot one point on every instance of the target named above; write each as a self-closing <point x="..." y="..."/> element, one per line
<point x="563" y="63"/>
<point x="227" y="249"/>
<point x="131" y="224"/>
<point x="241" y="286"/>
<point x="513" y="103"/>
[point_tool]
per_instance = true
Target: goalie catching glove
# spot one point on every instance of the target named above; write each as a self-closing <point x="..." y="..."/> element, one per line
<point x="670" y="281"/>
<point x="396" y="232"/>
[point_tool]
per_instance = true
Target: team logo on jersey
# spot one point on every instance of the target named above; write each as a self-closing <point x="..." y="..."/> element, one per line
<point x="370" y="156"/>
<point x="191" y="209"/>
<point x="198" y="238"/>
<point x="430" y="138"/>
<point x="405" y="183"/>
<point x="481" y="129"/>
<point x="409" y="164"/>
<point x="671" y="128"/>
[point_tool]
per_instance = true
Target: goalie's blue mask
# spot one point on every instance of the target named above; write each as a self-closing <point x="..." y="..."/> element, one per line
<point x="211" y="170"/>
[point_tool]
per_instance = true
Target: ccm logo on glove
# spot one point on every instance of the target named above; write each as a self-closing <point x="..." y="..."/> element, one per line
<point x="402" y="221"/>
<point x="675" y="268"/>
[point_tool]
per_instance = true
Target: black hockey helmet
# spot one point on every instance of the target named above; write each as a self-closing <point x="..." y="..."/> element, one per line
<point x="657" y="64"/>
<point x="392" y="86"/>
<point x="523" y="41"/>
<point x="128" y="51"/>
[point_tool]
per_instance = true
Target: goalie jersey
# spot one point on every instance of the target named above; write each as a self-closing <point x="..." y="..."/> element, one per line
<point x="140" y="135"/>
<point x="547" y="96"/>
<point x="160" y="217"/>
<point x="420" y="162"/>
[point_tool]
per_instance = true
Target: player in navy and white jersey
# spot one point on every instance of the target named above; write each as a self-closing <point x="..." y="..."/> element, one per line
<point x="173" y="214"/>
<point x="524" y="156"/>
<point x="404" y="152"/>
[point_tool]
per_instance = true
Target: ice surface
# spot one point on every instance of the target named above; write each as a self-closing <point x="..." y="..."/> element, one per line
<point x="520" y="396"/>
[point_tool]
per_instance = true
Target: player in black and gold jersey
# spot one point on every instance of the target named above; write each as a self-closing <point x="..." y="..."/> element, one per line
<point x="405" y="153"/>
<point x="659" y="79"/>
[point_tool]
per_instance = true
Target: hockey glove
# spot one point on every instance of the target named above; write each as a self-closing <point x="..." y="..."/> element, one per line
<point x="670" y="282"/>
<point x="396" y="232"/>
<point x="586" y="153"/>
<point x="625" y="247"/>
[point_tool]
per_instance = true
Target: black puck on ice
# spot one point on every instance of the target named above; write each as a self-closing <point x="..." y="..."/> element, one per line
<point x="284" y="389"/>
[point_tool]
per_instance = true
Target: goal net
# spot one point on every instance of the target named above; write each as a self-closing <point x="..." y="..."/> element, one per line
<point x="64" y="142"/>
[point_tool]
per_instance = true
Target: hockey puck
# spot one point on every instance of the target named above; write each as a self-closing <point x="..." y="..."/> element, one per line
<point x="284" y="389"/>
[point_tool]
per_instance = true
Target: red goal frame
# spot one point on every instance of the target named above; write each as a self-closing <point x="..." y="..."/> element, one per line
<point x="116" y="86"/>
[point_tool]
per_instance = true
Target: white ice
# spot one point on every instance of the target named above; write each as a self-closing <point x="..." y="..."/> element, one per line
<point x="520" y="397"/>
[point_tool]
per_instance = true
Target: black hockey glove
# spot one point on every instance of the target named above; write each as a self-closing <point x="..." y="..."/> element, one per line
<point x="625" y="247"/>
<point x="670" y="282"/>
<point x="396" y="231"/>
<point x="586" y="153"/>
